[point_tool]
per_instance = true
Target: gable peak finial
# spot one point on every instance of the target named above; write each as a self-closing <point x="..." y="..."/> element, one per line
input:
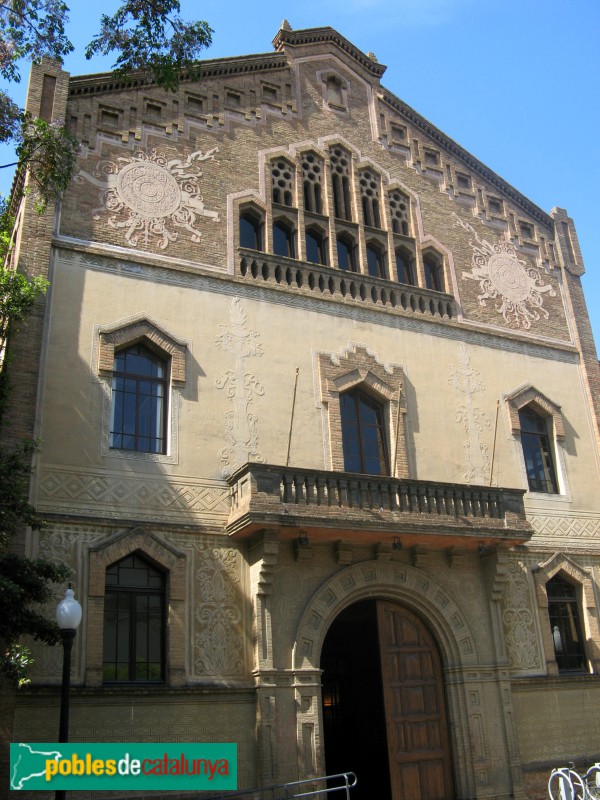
<point x="372" y="56"/>
<point x="285" y="26"/>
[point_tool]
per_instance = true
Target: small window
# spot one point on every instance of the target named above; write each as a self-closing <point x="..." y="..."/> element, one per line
<point x="363" y="434"/>
<point x="526" y="230"/>
<point x="463" y="181"/>
<point x="139" y="401"/>
<point x="405" y="267"/>
<point x="434" y="275"/>
<point x="233" y="99"/>
<point x="334" y="94"/>
<point x="537" y="452"/>
<point x="376" y="262"/>
<point x="398" y="134"/>
<point x="283" y="239"/>
<point x="316" y="247"/>
<point x="565" y="623"/>
<point x="346" y="253"/>
<point x="251" y="230"/>
<point x="495" y="205"/>
<point x="134" y="622"/>
<point x="432" y="158"/>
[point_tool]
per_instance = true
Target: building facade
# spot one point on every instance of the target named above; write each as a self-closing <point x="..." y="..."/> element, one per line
<point x="317" y="399"/>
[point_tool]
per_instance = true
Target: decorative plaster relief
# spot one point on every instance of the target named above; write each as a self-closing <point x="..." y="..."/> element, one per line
<point x="518" y="620"/>
<point x="468" y="381"/>
<point x="240" y="386"/>
<point x="502" y="274"/>
<point x="218" y="631"/>
<point x="119" y="496"/>
<point x="565" y="529"/>
<point x="156" y="193"/>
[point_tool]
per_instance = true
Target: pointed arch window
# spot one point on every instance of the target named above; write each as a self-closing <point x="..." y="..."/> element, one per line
<point x="284" y="243"/>
<point x="405" y="267"/>
<point x="251" y="230"/>
<point x="139" y="400"/>
<point x="434" y="272"/>
<point x="134" y="622"/>
<point x="363" y="434"/>
<point x="346" y="253"/>
<point x="565" y="623"/>
<point x="376" y="265"/>
<point x="312" y="183"/>
<point x="537" y="452"/>
<point x="316" y="246"/>
<point x="282" y="182"/>
<point x="340" y="181"/>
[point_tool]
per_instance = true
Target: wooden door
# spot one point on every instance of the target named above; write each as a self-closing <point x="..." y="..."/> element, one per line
<point x="415" y="709"/>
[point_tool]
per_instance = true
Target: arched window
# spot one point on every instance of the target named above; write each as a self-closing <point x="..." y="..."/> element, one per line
<point x="139" y="401"/>
<point x="537" y="452"/>
<point x="376" y="261"/>
<point x="363" y="434"/>
<point x="369" y="195"/>
<point x="316" y="246"/>
<point x="283" y="239"/>
<point x="405" y="266"/>
<point x="346" y="253"/>
<point x="434" y="272"/>
<point x="251" y="230"/>
<point x="399" y="212"/>
<point x="563" y="611"/>
<point x="134" y="622"/>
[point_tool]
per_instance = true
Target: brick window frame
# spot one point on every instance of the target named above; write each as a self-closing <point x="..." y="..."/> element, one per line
<point x="173" y="350"/>
<point x="584" y="583"/>
<point x="359" y="368"/>
<point x="528" y="395"/>
<point x="167" y="558"/>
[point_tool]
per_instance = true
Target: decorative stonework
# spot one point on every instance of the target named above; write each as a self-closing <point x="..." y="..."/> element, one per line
<point x="517" y="617"/>
<point x="218" y="633"/>
<point x="240" y="386"/>
<point x="468" y="381"/>
<point x="149" y="196"/>
<point x="563" y="529"/>
<point x="503" y="275"/>
<point x="125" y="496"/>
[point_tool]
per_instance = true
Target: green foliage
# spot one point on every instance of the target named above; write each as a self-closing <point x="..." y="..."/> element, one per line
<point x="49" y="151"/>
<point x="151" y="36"/>
<point x="17" y="659"/>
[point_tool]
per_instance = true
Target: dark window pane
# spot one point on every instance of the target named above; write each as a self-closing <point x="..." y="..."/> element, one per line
<point x="565" y="623"/>
<point x="345" y="252"/>
<point x="537" y="452"/>
<point x="250" y="232"/>
<point x="363" y="434"/>
<point x="375" y="263"/>
<point x="283" y="240"/>
<point x="404" y="268"/>
<point x="315" y="248"/>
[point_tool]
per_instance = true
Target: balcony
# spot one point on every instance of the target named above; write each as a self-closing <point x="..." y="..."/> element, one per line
<point x="326" y="283"/>
<point x="330" y="506"/>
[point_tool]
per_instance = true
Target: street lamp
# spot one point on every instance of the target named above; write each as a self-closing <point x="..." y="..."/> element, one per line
<point x="68" y="617"/>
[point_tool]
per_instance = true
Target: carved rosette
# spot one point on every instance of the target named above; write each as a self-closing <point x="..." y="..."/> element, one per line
<point x="503" y="276"/>
<point x="149" y="196"/>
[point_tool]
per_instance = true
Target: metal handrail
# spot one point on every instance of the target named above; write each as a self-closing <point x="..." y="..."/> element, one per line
<point x="348" y="780"/>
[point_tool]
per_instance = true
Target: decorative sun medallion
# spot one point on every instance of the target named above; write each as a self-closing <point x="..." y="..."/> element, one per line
<point x="503" y="275"/>
<point x="149" y="196"/>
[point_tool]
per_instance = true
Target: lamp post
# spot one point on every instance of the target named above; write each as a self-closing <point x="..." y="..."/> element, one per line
<point x="68" y="617"/>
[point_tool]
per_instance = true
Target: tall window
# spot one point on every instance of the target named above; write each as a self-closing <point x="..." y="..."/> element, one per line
<point x="312" y="183"/>
<point x="346" y="253"/>
<point x="537" y="452"/>
<point x="363" y="434"/>
<point x="565" y="623"/>
<point x="434" y="273"/>
<point x="340" y="181"/>
<point x="283" y="239"/>
<point x="316" y="246"/>
<point x="376" y="262"/>
<point x="139" y="401"/>
<point x="369" y="195"/>
<point x="282" y="182"/>
<point x="405" y="267"/>
<point x="251" y="230"/>
<point x="134" y="621"/>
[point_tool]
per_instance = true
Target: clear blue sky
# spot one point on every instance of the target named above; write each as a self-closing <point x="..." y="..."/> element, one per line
<point x="515" y="82"/>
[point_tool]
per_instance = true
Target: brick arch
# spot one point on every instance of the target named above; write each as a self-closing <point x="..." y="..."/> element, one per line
<point x="528" y="395"/>
<point x="582" y="577"/>
<point x="168" y="558"/>
<point x="402" y="583"/>
<point x="339" y="373"/>
<point x="130" y="332"/>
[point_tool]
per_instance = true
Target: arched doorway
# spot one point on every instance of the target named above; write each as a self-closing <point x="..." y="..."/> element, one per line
<point x="384" y="713"/>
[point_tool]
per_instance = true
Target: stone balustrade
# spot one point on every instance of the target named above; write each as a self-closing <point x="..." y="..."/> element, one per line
<point x="336" y="284"/>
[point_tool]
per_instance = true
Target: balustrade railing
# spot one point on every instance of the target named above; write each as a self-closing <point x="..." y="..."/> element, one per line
<point x="321" y="281"/>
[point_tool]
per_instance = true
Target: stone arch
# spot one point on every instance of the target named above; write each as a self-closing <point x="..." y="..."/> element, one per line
<point x="423" y="594"/>
<point x="393" y="581"/>
<point x="164" y="555"/>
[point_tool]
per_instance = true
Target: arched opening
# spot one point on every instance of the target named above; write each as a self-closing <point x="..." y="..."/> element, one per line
<point x="384" y="709"/>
